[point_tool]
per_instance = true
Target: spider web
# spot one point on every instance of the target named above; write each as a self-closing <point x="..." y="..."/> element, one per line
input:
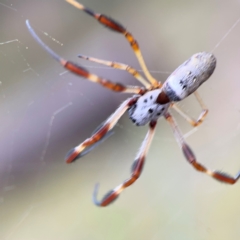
<point x="45" y="111"/>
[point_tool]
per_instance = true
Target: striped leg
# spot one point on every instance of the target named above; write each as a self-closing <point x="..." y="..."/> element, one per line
<point x="94" y="145"/>
<point x="120" y="66"/>
<point x="115" y="26"/>
<point x="100" y="133"/>
<point x="118" y="87"/>
<point x="202" y="115"/>
<point x="137" y="168"/>
<point x="189" y="155"/>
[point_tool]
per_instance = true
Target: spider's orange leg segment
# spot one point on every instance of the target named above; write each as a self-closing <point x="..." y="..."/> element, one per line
<point x="100" y="133"/>
<point x="120" y="66"/>
<point x="202" y="115"/>
<point x="90" y="148"/>
<point x="137" y="168"/>
<point x="115" y="26"/>
<point x="189" y="155"/>
<point x="118" y="87"/>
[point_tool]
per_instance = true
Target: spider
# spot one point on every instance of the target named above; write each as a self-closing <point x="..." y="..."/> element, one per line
<point x="147" y="104"/>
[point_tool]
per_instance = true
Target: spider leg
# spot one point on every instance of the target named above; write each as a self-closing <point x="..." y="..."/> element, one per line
<point x="115" y="26"/>
<point x="137" y="168"/>
<point x="78" y="70"/>
<point x="191" y="120"/>
<point x="120" y="66"/>
<point x="90" y="148"/>
<point x="189" y="155"/>
<point x="100" y="133"/>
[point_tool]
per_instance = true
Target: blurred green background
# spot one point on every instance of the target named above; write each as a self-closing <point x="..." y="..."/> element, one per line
<point x="45" y="111"/>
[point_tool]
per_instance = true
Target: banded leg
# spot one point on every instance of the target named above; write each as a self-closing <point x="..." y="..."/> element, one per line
<point x="100" y="133"/>
<point x="191" y="120"/>
<point x="90" y="148"/>
<point x="115" y="26"/>
<point x="137" y="168"/>
<point x="78" y="70"/>
<point x="189" y="155"/>
<point x="120" y="66"/>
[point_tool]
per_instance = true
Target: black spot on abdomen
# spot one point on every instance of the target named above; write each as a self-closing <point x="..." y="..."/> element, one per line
<point x="150" y="110"/>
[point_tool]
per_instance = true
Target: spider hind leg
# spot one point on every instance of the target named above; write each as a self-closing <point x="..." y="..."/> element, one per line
<point x="117" y="27"/>
<point x="120" y="66"/>
<point x="80" y="71"/>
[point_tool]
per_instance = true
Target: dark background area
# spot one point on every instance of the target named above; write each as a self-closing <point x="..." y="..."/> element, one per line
<point x="45" y="111"/>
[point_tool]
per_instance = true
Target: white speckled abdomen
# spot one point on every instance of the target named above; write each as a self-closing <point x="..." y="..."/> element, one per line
<point x="189" y="76"/>
<point x="146" y="109"/>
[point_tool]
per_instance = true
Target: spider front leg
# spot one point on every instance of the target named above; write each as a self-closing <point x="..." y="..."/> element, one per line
<point x="80" y="71"/>
<point x="202" y="115"/>
<point x="189" y="155"/>
<point x="78" y="151"/>
<point x="137" y="168"/>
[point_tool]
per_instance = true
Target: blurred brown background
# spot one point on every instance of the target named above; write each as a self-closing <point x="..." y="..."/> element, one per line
<point x="46" y="111"/>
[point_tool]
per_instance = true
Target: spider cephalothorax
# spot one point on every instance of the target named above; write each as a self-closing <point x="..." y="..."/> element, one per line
<point x="146" y="109"/>
<point x="146" y="105"/>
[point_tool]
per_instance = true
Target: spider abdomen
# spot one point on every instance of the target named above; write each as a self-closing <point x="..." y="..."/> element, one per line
<point x="189" y="76"/>
<point x="146" y="109"/>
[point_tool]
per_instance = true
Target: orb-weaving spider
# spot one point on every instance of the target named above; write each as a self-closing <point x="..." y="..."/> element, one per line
<point x="146" y="105"/>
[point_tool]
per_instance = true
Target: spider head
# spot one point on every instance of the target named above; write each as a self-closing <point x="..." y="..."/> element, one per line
<point x="187" y="78"/>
